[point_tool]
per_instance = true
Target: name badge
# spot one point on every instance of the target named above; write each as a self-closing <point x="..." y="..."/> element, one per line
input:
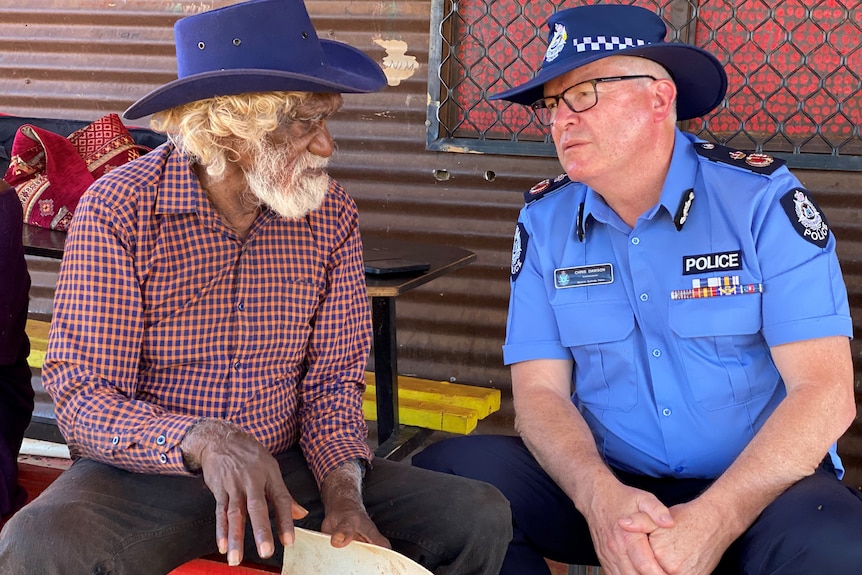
<point x="596" y="274"/>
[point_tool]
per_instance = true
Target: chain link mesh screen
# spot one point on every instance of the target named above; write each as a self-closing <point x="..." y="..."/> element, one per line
<point x="794" y="70"/>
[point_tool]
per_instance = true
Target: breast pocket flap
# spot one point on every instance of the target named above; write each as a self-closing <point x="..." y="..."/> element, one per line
<point x="716" y="316"/>
<point x="594" y="322"/>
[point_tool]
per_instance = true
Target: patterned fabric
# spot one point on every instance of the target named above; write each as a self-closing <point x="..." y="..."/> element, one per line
<point x="105" y="144"/>
<point x="51" y="172"/>
<point x="163" y="315"/>
<point x="602" y="43"/>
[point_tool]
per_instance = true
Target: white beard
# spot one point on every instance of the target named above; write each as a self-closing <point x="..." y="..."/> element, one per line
<point x="292" y="194"/>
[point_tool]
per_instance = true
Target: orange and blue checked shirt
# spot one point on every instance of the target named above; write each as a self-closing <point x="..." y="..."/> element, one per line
<point x="163" y="316"/>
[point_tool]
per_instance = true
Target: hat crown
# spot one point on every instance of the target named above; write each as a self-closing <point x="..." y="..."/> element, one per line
<point x="260" y="34"/>
<point x="576" y="32"/>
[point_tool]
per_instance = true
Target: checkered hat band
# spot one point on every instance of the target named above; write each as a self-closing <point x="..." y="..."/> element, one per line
<point x="603" y="43"/>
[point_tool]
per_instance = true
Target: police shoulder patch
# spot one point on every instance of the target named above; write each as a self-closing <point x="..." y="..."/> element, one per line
<point x="544" y="187"/>
<point x="806" y="217"/>
<point x="519" y="250"/>
<point x="753" y="162"/>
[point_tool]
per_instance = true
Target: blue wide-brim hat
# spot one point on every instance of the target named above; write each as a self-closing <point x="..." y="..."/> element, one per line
<point x="578" y="36"/>
<point x="258" y="46"/>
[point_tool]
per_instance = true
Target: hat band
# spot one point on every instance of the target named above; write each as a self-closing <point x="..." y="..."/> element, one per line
<point x="590" y="44"/>
<point x="603" y="43"/>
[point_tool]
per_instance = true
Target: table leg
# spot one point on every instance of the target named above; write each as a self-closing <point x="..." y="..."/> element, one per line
<point x="385" y="366"/>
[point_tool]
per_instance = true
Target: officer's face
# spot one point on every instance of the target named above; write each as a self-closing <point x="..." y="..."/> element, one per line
<point x="601" y="141"/>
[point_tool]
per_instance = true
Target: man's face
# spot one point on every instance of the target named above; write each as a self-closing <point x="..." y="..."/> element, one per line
<point x="606" y="138"/>
<point x="287" y="173"/>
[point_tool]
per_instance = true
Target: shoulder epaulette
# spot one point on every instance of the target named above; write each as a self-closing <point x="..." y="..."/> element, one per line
<point x="753" y="162"/>
<point x="545" y="186"/>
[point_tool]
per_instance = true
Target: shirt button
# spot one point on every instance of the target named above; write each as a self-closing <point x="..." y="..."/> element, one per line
<point x="636" y="241"/>
<point x="656" y="353"/>
<point x="240" y="306"/>
<point x="116" y="440"/>
<point x="160" y="440"/>
<point x="237" y="365"/>
<point x="678" y="468"/>
<point x="163" y="458"/>
<point x="644" y="297"/>
<point x="666" y="412"/>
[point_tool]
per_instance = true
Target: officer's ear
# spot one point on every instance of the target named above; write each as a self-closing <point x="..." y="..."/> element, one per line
<point x="664" y="101"/>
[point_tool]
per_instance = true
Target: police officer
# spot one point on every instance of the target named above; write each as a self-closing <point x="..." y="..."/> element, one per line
<point x="678" y="332"/>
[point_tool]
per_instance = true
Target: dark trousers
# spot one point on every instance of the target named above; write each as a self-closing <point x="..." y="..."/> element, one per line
<point x="16" y="407"/>
<point x="97" y="519"/>
<point x="16" y="392"/>
<point x="813" y="527"/>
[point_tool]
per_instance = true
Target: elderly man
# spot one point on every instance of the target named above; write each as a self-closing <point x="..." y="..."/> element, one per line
<point x="678" y="332"/>
<point x="211" y="331"/>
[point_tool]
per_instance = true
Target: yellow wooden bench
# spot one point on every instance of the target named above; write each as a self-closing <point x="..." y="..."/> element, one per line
<point x="436" y="405"/>
<point x="37" y="331"/>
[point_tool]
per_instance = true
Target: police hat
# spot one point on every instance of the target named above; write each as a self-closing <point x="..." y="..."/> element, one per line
<point x="578" y="36"/>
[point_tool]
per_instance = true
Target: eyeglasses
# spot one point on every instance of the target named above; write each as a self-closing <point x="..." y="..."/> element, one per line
<point x="578" y="98"/>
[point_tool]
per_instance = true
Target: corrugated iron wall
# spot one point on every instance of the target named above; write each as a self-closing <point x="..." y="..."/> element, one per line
<point x="83" y="58"/>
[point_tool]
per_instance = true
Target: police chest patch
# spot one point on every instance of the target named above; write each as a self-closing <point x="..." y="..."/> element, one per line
<point x="806" y="217"/>
<point x="519" y="250"/>
<point x="708" y="263"/>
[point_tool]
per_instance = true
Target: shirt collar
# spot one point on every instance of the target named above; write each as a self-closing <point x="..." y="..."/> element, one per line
<point x="180" y="191"/>
<point x="681" y="176"/>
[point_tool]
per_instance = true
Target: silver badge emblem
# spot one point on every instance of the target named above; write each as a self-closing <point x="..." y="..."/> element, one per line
<point x="557" y="43"/>
<point x="686" y="207"/>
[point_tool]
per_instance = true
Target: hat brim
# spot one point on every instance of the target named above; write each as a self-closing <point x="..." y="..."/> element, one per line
<point x="700" y="78"/>
<point x="356" y="73"/>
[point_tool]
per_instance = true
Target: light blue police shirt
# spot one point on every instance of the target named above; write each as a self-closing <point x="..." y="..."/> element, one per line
<point x="676" y="387"/>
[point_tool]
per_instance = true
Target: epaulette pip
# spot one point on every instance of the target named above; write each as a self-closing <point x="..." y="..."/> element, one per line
<point x="539" y="190"/>
<point x="753" y="162"/>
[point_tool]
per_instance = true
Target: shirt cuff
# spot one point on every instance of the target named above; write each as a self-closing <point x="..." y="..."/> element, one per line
<point x="518" y="352"/>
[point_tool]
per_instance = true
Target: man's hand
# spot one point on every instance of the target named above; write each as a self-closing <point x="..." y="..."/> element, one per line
<point x="626" y="551"/>
<point x="245" y="479"/>
<point x="695" y="543"/>
<point x="345" y="518"/>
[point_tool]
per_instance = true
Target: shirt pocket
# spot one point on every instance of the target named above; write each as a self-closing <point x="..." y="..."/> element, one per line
<point x="599" y="335"/>
<point x="723" y="354"/>
<point x="300" y="299"/>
